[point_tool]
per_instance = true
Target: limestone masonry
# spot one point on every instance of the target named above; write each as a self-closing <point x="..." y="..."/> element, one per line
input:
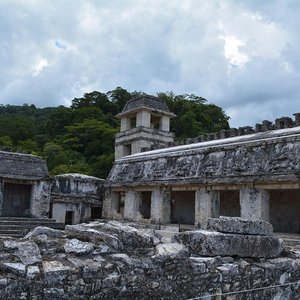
<point x="111" y="260"/>
<point x="244" y="172"/>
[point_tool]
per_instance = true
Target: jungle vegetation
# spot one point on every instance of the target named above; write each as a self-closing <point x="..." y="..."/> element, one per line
<point x="80" y="138"/>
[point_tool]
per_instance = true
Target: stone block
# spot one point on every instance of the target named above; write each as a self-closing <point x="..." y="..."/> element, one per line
<point x="78" y="247"/>
<point x="84" y="233"/>
<point x="128" y="235"/>
<point x="207" y="243"/>
<point x="240" y="226"/>
<point x="49" y="232"/>
<point x="170" y="251"/>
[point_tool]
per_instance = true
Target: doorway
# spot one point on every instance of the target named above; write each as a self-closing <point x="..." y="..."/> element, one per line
<point x="16" y="200"/>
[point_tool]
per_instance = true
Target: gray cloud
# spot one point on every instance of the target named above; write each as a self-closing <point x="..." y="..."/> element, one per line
<point x="241" y="55"/>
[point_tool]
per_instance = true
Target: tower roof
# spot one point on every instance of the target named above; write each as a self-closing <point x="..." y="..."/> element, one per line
<point x="147" y="102"/>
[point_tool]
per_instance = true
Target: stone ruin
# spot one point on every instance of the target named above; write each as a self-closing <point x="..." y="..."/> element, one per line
<point x="233" y="259"/>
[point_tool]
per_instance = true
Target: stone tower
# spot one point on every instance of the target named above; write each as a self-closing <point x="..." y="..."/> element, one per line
<point x="145" y="121"/>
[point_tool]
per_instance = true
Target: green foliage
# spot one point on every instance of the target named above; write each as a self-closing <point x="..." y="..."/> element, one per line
<point x="194" y="115"/>
<point x="80" y="138"/>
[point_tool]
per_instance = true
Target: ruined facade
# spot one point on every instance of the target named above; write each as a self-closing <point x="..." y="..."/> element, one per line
<point x="246" y="172"/>
<point x="76" y="198"/>
<point x="24" y="186"/>
<point x="27" y="190"/>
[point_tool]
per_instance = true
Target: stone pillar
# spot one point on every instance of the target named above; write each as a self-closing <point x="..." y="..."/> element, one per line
<point x="133" y="201"/>
<point x="164" y="123"/>
<point x="143" y="118"/>
<point x="255" y="204"/>
<point x="1" y="196"/>
<point x="125" y="124"/>
<point x="207" y="205"/>
<point x="40" y="199"/>
<point x="110" y="204"/>
<point x="122" y="150"/>
<point x="161" y="206"/>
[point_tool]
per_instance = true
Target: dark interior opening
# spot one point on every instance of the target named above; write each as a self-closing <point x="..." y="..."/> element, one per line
<point x="183" y="207"/>
<point x="16" y="200"/>
<point x="146" y="205"/>
<point x="96" y="212"/>
<point x="230" y="203"/>
<point x="285" y="210"/>
<point x="69" y="217"/>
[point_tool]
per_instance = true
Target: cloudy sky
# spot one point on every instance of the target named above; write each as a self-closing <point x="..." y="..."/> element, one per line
<point x="243" y="55"/>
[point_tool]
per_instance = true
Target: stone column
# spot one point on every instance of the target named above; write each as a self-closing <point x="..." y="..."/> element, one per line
<point x="165" y="123"/>
<point x="207" y="205"/>
<point x="110" y="203"/>
<point x="161" y="206"/>
<point x="143" y="118"/>
<point x="125" y="124"/>
<point x="1" y="196"/>
<point x="255" y="204"/>
<point x="133" y="201"/>
<point x="40" y="199"/>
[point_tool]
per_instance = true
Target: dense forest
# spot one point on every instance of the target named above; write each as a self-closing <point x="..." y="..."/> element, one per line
<point x="80" y="138"/>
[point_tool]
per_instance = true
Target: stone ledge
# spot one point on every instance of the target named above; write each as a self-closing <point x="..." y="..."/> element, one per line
<point x="240" y="226"/>
<point x="208" y="243"/>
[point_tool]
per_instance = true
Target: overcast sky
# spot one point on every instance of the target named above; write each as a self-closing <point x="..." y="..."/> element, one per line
<point x="241" y="55"/>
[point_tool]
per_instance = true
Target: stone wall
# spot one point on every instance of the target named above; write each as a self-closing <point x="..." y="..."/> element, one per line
<point x="117" y="261"/>
<point x="266" y="157"/>
<point x="40" y="199"/>
<point x="76" y="193"/>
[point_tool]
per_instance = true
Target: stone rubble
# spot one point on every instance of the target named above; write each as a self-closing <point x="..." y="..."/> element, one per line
<point x="117" y="261"/>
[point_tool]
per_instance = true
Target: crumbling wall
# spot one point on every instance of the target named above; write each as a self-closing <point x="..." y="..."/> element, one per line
<point x="77" y="193"/>
<point x="116" y="261"/>
<point x="268" y="157"/>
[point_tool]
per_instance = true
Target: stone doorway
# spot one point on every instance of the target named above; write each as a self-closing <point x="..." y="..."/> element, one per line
<point x="183" y="207"/>
<point x="230" y="203"/>
<point x="16" y="200"/>
<point x="146" y="205"/>
<point x="285" y="210"/>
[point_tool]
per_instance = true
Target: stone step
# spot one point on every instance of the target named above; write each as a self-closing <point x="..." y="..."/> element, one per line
<point x="18" y="227"/>
<point x="20" y="219"/>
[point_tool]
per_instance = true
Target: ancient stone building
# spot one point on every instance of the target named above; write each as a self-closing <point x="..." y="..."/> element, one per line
<point x="145" y="122"/>
<point x="24" y="186"/>
<point x="27" y="190"/>
<point x="76" y="198"/>
<point x="252" y="173"/>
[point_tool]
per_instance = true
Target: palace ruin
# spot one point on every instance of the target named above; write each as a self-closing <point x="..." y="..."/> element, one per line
<point x="245" y="172"/>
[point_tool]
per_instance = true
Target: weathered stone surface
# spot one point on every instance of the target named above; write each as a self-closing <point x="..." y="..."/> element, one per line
<point x="207" y="243"/>
<point x="78" y="247"/>
<point x="15" y="268"/>
<point x="128" y="235"/>
<point x="86" y="233"/>
<point x="249" y="158"/>
<point x="240" y="226"/>
<point x="32" y="272"/>
<point x="28" y="252"/>
<point x="55" y="271"/>
<point x="49" y="232"/>
<point x="173" y="273"/>
<point x="170" y="251"/>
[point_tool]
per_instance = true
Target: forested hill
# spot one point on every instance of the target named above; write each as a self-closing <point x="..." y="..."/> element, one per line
<point x="80" y="138"/>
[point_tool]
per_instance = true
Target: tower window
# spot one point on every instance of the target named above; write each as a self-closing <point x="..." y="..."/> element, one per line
<point x="127" y="150"/>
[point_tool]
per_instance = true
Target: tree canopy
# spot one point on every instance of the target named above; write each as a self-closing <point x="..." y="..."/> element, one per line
<point x="80" y="138"/>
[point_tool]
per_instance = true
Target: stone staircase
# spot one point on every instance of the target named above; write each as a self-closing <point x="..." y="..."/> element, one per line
<point x="19" y="227"/>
